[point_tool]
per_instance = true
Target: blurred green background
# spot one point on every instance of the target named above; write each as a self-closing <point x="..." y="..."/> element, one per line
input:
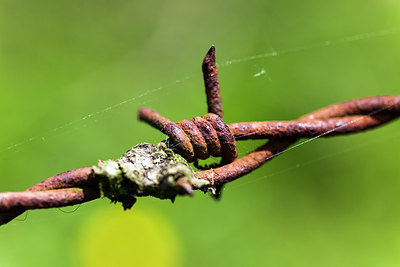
<point x="74" y="73"/>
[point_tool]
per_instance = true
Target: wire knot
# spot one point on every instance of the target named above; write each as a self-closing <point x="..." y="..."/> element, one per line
<point x="198" y="138"/>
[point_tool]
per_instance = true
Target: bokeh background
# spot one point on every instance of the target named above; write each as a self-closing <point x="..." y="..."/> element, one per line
<point x="74" y="73"/>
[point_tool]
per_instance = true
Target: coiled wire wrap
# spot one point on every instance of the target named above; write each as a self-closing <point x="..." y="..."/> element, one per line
<point x="199" y="138"/>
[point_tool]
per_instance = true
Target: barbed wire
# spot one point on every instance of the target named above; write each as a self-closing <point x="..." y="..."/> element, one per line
<point x="209" y="135"/>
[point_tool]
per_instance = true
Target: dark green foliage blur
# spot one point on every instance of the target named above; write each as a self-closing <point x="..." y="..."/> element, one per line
<point x="74" y="73"/>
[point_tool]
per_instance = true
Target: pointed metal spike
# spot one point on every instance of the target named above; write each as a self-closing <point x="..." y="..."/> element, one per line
<point x="186" y="186"/>
<point x="210" y="76"/>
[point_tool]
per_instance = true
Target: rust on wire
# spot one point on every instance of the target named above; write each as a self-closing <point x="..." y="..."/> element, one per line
<point x="209" y="135"/>
<point x="200" y="137"/>
<point x="46" y="199"/>
<point x="210" y="75"/>
<point x="75" y="178"/>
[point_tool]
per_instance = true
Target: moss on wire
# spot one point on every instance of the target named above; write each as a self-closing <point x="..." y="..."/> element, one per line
<point x="146" y="170"/>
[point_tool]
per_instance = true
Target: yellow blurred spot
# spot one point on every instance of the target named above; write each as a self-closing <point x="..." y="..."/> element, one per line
<point x="112" y="237"/>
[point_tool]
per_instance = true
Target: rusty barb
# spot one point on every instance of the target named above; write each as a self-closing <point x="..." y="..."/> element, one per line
<point x="200" y="138"/>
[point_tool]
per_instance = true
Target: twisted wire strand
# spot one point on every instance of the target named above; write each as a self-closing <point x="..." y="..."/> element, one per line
<point x="201" y="137"/>
<point x="357" y="115"/>
<point x="214" y="137"/>
<point x="342" y="118"/>
<point x="14" y="204"/>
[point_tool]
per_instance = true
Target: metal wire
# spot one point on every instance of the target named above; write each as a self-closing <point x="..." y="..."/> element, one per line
<point x="209" y="135"/>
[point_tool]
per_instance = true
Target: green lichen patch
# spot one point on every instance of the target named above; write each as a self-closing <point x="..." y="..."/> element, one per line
<point x="146" y="170"/>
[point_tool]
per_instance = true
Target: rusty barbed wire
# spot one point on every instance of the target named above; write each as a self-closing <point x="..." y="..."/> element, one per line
<point x="209" y="135"/>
